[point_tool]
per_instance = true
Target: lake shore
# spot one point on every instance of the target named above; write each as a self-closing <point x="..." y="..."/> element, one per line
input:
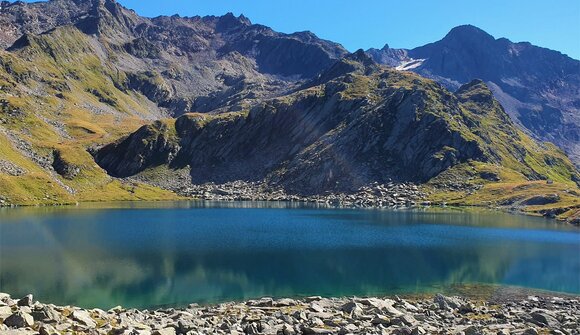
<point x="503" y="314"/>
<point x="373" y="196"/>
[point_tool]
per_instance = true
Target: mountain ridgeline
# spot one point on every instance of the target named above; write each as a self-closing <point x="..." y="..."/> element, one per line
<point x="362" y="124"/>
<point x="538" y="87"/>
<point x="98" y="103"/>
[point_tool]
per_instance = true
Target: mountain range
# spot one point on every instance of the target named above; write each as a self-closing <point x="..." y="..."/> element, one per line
<point x="539" y="88"/>
<point x="99" y="103"/>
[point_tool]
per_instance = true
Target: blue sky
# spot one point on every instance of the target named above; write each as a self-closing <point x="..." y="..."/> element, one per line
<point x="355" y="24"/>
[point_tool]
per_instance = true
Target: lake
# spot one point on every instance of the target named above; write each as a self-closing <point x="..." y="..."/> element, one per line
<point x="157" y="254"/>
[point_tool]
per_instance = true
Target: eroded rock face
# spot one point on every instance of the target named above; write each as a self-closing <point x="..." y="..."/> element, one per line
<point x="149" y="146"/>
<point x="64" y="168"/>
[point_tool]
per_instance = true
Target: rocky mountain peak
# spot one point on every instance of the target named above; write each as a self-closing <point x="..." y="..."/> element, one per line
<point x="229" y="21"/>
<point x="468" y="32"/>
<point x="360" y="56"/>
<point x="356" y="62"/>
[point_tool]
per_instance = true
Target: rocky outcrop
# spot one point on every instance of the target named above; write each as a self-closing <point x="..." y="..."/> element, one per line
<point x="64" y="168"/>
<point x="149" y="146"/>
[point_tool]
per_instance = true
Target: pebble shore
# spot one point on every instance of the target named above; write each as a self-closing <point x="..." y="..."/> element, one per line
<point x="314" y="315"/>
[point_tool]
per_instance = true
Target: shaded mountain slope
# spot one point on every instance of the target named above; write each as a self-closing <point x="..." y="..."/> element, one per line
<point x="359" y="126"/>
<point x="538" y="87"/>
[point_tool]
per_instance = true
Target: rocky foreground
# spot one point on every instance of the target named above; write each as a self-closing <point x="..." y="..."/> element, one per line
<point x="314" y="315"/>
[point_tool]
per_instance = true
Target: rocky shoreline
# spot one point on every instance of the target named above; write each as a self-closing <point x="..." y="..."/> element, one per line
<point x="314" y="315"/>
<point x="389" y="195"/>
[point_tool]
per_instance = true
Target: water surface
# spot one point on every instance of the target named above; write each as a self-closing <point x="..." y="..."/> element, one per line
<point x="146" y="255"/>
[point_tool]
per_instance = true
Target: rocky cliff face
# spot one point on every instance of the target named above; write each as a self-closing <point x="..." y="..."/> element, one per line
<point x="362" y="124"/>
<point x="538" y="87"/>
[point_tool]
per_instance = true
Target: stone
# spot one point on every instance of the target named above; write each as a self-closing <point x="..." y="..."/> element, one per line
<point x="472" y="330"/>
<point x="27" y="300"/>
<point x="349" y="307"/>
<point x="251" y="329"/>
<point x="46" y="313"/>
<point x="164" y="331"/>
<point x="348" y="329"/>
<point x="466" y="308"/>
<point x="418" y="331"/>
<point x="288" y="330"/>
<point x="313" y="298"/>
<point x="5" y="311"/>
<point x="285" y="302"/>
<point x="530" y="331"/>
<point x="18" y="332"/>
<point x="316" y="331"/>
<point x="447" y="302"/>
<point x="404" y="320"/>
<point x="545" y="319"/>
<point x="316" y="308"/>
<point x="84" y="318"/>
<point x="47" y="330"/>
<point x="382" y="320"/>
<point x="19" y="320"/>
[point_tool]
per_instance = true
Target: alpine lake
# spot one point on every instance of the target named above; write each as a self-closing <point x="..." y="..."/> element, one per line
<point x="145" y="255"/>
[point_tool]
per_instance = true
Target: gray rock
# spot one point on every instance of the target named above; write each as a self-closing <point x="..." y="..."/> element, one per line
<point x="349" y="307"/>
<point x="447" y="302"/>
<point x="545" y="319"/>
<point x="530" y="331"/>
<point x="404" y="320"/>
<point x="285" y="302"/>
<point x="316" y="308"/>
<point x="164" y="331"/>
<point x="18" y="332"/>
<point x="472" y="330"/>
<point x="84" y="318"/>
<point x="288" y="330"/>
<point x="316" y="331"/>
<point x="47" y="330"/>
<point x="381" y="320"/>
<point x="251" y="329"/>
<point x="27" y="300"/>
<point x="19" y="320"/>
<point x="5" y="311"/>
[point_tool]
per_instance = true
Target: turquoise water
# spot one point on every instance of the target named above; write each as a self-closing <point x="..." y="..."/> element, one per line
<point x="146" y="255"/>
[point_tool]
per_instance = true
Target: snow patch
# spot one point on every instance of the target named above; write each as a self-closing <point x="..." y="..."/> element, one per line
<point x="410" y="64"/>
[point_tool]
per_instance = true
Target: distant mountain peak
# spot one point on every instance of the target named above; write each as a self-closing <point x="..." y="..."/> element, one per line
<point x="229" y="21"/>
<point x="469" y="32"/>
<point x="361" y="56"/>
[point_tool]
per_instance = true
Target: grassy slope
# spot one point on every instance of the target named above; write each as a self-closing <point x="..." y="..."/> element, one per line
<point x="66" y="102"/>
<point x="520" y="172"/>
